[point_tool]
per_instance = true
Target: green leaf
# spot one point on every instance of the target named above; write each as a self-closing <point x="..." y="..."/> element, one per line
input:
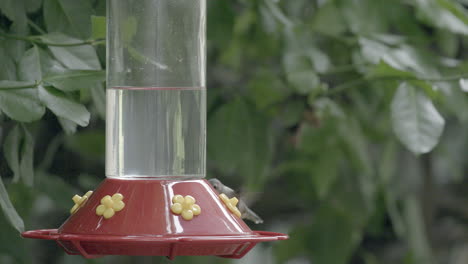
<point x="320" y="59"/>
<point x="448" y="43"/>
<point x="19" y="150"/>
<point x="360" y="158"/>
<point x="454" y="100"/>
<point x="73" y="80"/>
<point x="81" y="57"/>
<point x="375" y="51"/>
<point x="365" y="16"/>
<point x="296" y="61"/>
<point x="354" y="137"/>
<point x="14" y="10"/>
<point x="300" y="73"/>
<point x="68" y="16"/>
<point x="387" y="166"/>
<point x="64" y="107"/>
<point x="244" y="135"/>
<point x="8" y="66"/>
<point x="24" y="105"/>
<point x="30" y="65"/>
<point x="430" y="89"/>
<point x="98" y="24"/>
<point x="37" y="63"/>
<point x="21" y="105"/>
<point x="321" y="163"/>
<point x="228" y="126"/>
<point x="98" y="95"/>
<point x="327" y="21"/>
<point x="267" y="89"/>
<point x="456" y="8"/>
<point x="327" y="108"/>
<point x="11" y="242"/>
<point x="27" y="158"/>
<point x="403" y="57"/>
<point x="416" y="122"/>
<point x="464" y="85"/>
<point x="304" y="82"/>
<point x="444" y="14"/>
<point x="8" y="209"/>
<point x="11" y="150"/>
<point x="383" y="69"/>
<point x="16" y="48"/>
<point x="325" y="172"/>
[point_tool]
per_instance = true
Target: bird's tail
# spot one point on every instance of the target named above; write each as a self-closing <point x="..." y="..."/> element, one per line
<point x="250" y="215"/>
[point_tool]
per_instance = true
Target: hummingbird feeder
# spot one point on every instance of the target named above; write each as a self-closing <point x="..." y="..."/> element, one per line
<point x="155" y="200"/>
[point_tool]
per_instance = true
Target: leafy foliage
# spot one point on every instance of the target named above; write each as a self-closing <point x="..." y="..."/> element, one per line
<point x="353" y="112"/>
<point x="415" y="120"/>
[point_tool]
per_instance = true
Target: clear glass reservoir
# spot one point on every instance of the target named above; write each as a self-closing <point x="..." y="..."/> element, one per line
<point x="156" y="96"/>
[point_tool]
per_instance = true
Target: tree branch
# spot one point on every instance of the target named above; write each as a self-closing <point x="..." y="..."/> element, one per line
<point x="351" y="84"/>
<point x="20" y="87"/>
<point x="36" y="27"/>
<point x="36" y="40"/>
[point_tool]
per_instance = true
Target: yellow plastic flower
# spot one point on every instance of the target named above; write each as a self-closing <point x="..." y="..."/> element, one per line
<point x="110" y="205"/>
<point x="79" y="201"/>
<point x="231" y="204"/>
<point x="185" y="206"/>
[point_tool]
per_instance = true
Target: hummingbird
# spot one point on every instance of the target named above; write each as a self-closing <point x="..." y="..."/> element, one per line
<point x="246" y="212"/>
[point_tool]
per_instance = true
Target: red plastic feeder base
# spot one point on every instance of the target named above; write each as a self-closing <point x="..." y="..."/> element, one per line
<point x="146" y="226"/>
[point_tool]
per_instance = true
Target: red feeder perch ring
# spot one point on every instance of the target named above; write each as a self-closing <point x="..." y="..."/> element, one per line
<point x="147" y="226"/>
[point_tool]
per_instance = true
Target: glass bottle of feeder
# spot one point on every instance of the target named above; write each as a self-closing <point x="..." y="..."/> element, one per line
<point x="154" y="200"/>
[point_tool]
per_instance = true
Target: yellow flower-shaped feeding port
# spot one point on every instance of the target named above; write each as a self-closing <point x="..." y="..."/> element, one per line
<point x="185" y="206"/>
<point x="110" y="205"/>
<point x="79" y="201"/>
<point x="231" y="204"/>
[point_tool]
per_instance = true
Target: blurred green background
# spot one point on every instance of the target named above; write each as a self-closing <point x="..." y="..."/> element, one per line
<point x="346" y="119"/>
